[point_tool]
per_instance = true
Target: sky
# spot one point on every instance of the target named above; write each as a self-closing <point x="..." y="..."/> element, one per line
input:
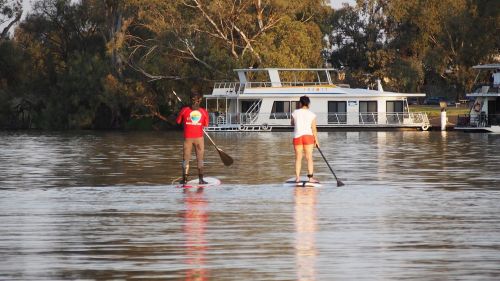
<point x="337" y="4"/>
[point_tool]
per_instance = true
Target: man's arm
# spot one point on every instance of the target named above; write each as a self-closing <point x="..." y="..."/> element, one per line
<point x="180" y="116"/>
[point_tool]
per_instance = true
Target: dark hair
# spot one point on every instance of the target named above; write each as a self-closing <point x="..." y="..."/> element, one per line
<point x="195" y="95"/>
<point x="304" y="101"/>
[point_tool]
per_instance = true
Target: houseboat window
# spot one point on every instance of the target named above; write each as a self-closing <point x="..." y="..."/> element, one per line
<point x="394" y="111"/>
<point x="368" y="112"/>
<point x="247" y="104"/>
<point x="494" y="111"/>
<point x="337" y="112"/>
<point x="394" y="106"/>
<point x="281" y="110"/>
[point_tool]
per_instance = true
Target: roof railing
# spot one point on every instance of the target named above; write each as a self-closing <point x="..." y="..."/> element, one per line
<point x="238" y="85"/>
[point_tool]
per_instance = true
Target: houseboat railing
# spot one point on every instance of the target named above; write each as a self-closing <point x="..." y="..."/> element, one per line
<point x="478" y="120"/>
<point x="283" y="84"/>
<point x="485" y="89"/>
<point x="282" y="118"/>
<point x="238" y="88"/>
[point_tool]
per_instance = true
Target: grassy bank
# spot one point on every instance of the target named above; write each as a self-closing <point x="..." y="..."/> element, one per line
<point x="435" y="110"/>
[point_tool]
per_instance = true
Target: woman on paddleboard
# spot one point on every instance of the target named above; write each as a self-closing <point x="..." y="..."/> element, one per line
<point x="305" y="137"/>
<point x="193" y="118"/>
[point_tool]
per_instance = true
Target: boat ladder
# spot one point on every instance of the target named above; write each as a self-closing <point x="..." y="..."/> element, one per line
<point x="253" y="111"/>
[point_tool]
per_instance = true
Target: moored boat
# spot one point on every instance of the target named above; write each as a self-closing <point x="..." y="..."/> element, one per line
<point x="264" y="99"/>
<point x="484" y="113"/>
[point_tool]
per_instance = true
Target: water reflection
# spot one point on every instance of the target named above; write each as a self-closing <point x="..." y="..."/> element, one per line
<point x="195" y="224"/>
<point x="99" y="206"/>
<point x="305" y="231"/>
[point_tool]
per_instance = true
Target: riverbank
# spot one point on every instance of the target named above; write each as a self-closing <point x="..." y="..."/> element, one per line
<point x="434" y="114"/>
<point x="435" y="111"/>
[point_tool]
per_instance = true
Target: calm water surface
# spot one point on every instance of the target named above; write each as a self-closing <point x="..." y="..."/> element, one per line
<point x="100" y="206"/>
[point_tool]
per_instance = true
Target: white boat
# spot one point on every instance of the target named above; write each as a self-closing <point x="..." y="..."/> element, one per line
<point x="484" y="114"/>
<point x="264" y="99"/>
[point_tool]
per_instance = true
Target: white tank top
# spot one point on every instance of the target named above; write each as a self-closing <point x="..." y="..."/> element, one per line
<point x="303" y="119"/>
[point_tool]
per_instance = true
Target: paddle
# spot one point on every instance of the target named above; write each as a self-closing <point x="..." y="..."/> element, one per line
<point x="339" y="183"/>
<point x="226" y="159"/>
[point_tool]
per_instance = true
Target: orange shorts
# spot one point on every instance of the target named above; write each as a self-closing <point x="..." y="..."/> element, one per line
<point x="304" y="140"/>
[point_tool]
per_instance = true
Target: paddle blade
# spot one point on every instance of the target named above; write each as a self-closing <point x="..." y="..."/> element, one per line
<point x="339" y="183"/>
<point x="226" y="159"/>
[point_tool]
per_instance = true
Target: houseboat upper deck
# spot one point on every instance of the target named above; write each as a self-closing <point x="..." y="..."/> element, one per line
<point x="264" y="99"/>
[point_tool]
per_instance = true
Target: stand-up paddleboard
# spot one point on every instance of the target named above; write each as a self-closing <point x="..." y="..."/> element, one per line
<point x="195" y="183"/>
<point x="304" y="182"/>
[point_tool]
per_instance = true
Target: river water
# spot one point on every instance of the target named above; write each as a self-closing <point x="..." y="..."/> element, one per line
<point x="100" y="206"/>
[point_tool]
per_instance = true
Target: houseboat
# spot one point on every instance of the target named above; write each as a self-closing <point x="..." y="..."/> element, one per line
<point x="264" y="99"/>
<point x="484" y="113"/>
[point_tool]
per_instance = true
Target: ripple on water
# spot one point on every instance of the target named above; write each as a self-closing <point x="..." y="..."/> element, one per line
<point x="100" y="206"/>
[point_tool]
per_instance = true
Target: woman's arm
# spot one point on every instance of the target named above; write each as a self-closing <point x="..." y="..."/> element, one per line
<point x="315" y="132"/>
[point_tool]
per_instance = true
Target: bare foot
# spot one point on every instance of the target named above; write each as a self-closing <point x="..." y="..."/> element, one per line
<point x="313" y="180"/>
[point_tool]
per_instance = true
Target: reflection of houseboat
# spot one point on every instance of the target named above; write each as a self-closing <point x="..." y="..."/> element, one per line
<point x="264" y="99"/>
<point x="484" y="114"/>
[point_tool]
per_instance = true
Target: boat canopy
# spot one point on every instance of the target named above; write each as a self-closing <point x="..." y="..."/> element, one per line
<point x="279" y="77"/>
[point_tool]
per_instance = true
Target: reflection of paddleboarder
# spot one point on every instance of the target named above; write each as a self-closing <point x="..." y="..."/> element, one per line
<point x="195" y="224"/>
<point x="194" y="119"/>
<point x="305" y="231"/>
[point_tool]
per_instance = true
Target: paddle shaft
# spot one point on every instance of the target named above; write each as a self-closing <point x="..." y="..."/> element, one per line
<point x="211" y="140"/>
<point x="339" y="183"/>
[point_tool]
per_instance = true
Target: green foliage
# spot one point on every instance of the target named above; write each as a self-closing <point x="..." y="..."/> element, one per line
<point x="410" y="42"/>
<point x="13" y="65"/>
<point x="292" y="44"/>
<point x="407" y="75"/>
<point x="113" y="64"/>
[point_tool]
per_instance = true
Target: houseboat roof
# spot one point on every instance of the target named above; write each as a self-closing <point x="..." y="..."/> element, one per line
<point x="320" y="85"/>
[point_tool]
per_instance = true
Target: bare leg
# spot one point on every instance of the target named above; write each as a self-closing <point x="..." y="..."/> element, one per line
<point x="298" y="161"/>
<point x="308" y="151"/>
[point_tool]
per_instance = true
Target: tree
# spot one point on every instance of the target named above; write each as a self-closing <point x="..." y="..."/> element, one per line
<point x="181" y="43"/>
<point x="10" y="14"/>
<point x="220" y="35"/>
<point x="448" y="37"/>
<point x="359" y="42"/>
<point x="413" y="44"/>
<point x="68" y="64"/>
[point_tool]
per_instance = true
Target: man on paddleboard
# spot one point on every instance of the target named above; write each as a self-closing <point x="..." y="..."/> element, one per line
<point x="305" y="137"/>
<point x="193" y="118"/>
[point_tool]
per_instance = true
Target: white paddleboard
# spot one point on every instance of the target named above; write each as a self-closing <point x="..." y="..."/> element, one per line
<point x="194" y="183"/>
<point x="304" y="182"/>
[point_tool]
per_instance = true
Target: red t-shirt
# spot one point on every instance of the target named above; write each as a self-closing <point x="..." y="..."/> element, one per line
<point x="193" y="121"/>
